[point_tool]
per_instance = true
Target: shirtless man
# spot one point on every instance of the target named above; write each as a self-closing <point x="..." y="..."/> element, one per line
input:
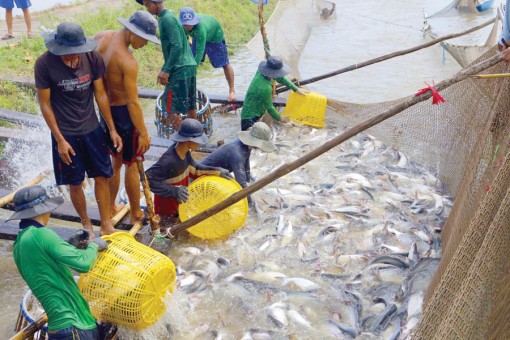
<point x="121" y="75"/>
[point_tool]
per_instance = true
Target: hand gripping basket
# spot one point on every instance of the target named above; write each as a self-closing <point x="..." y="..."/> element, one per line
<point x="308" y="110"/>
<point x="206" y="192"/>
<point x="128" y="283"/>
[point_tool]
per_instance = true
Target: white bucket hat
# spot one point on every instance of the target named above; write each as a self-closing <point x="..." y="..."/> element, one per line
<point x="259" y="136"/>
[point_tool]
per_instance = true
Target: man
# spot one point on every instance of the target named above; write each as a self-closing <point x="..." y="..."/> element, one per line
<point x="68" y="76"/>
<point x="9" y="6"/>
<point x="207" y="38"/>
<point x="178" y="73"/>
<point x="235" y="156"/>
<point x="504" y="38"/>
<point x="43" y="260"/>
<point x="121" y="75"/>
<point x="170" y="175"/>
<point x="259" y="97"/>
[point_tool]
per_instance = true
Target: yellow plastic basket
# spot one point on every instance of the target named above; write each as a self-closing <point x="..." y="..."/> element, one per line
<point x="308" y="110"/>
<point x="128" y="283"/>
<point x="206" y="192"/>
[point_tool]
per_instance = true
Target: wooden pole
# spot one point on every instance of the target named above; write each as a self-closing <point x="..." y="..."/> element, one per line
<point x="491" y="76"/>
<point x="135" y="228"/>
<point x="31" y="329"/>
<point x="387" y="56"/>
<point x="7" y="199"/>
<point x="120" y="215"/>
<point x="286" y="168"/>
<point x="263" y="29"/>
<point x="153" y="218"/>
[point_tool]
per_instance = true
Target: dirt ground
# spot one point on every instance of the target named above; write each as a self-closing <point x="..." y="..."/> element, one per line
<point x="60" y="11"/>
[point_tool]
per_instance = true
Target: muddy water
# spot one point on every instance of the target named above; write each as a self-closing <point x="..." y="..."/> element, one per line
<point x="360" y="31"/>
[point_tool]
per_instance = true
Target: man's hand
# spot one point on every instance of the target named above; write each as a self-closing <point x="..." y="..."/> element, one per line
<point x="284" y="119"/>
<point x="117" y="141"/>
<point x="144" y="143"/>
<point x="79" y="239"/>
<point x="182" y="194"/>
<point x="101" y="244"/>
<point x="225" y="174"/>
<point x="64" y="149"/>
<point x="163" y="77"/>
<point x="506" y="54"/>
<point x="302" y="91"/>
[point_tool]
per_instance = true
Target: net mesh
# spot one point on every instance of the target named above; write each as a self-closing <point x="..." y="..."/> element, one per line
<point x="465" y="142"/>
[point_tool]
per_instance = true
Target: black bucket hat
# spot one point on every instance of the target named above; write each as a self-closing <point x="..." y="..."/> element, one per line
<point x="273" y="67"/>
<point x="33" y="201"/>
<point x="143" y="24"/>
<point x="190" y="130"/>
<point x="141" y="1"/>
<point x="70" y="39"/>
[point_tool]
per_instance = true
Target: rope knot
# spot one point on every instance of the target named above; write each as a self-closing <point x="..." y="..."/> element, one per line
<point x="436" y="97"/>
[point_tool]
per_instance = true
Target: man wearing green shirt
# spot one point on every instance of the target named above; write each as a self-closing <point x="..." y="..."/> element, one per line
<point x="178" y="73"/>
<point x="207" y="38"/>
<point x="259" y="97"/>
<point x="43" y="260"/>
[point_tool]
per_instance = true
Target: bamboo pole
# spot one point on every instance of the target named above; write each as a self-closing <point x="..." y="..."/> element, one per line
<point x="286" y="168"/>
<point x="153" y="218"/>
<point x="135" y="228"/>
<point x="31" y="329"/>
<point x="491" y="76"/>
<point x="120" y="215"/>
<point x="263" y="29"/>
<point x="387" y="56"/>
<point x="7" y="199"/>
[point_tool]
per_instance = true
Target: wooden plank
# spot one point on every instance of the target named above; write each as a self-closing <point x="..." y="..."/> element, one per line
<point x="9" y="230"/>
<point x="150" y="93"/>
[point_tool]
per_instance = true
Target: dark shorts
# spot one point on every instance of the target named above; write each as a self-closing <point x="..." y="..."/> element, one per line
<point x="73" y="333"/>
<point x="91" y="157"/>
<point x="248" y="123"/>
<point x="217" y="53"/>
<point x="126" y="131"/>
<point x="9" y="4"/>
<point x="180" y="96"/>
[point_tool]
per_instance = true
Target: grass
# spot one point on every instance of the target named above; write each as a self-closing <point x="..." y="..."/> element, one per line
<point x="16" y="98"/>
<point x="239" y="19"/>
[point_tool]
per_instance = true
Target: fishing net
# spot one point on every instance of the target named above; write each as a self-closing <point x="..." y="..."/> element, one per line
<point x="465" y="142"/>
<point x="287" y="40"/>
<point x="456" y="6"/>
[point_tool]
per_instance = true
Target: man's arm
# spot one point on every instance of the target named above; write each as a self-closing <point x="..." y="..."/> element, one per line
<point x="80" y="260"/>
<point x="130" y="74"/>
<point x="200" y="37"/>
<point x="104" y="107"/>
<point x="64" y="148"/>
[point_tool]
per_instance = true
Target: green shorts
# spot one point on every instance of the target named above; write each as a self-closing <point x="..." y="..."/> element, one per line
<point x="180" y="96"/>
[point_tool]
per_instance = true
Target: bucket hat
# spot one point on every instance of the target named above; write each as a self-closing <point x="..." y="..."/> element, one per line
<point x="190" y="130"/>
<point x="70" y="39"/>
<point x="259" y="136"/>
<point x="273" y="67"/>
<point x="143" y="24"/>
<point x="33" y="201"/>
<point x="141" y="1"/>
<point x="187" y="16"/>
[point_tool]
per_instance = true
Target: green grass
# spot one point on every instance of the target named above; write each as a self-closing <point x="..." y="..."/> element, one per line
<point x="239" y="19"/>
<point x="16" y="98"/>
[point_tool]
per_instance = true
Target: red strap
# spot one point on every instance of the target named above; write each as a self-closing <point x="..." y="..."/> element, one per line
<point x="436" y="97"/>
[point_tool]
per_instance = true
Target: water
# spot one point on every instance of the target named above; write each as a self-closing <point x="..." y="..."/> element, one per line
<point x="361" y="31"/>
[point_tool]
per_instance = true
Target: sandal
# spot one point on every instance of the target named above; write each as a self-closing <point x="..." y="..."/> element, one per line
<point x="29" y="35"/>
<point x="7" y="37"/>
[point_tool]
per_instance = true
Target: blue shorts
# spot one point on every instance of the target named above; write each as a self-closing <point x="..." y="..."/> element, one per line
<point x="180" y="96"/>
<point x="73" y="333"/>
<point x="9" y="4"/>
<point x="91" y="156"/>
<point x="217" y="53"/>
<point x="127" y="131"/>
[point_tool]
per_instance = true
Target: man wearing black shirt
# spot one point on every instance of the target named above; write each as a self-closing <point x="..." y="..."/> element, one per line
<point x="68" y="76"/>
